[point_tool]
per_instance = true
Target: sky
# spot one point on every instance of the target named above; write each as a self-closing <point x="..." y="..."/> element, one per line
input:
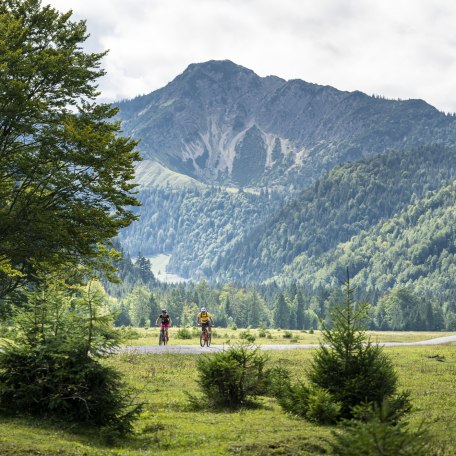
<point x="393" y="48"/>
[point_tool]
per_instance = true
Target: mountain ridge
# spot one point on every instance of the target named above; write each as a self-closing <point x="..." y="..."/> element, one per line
<point x="220" y="123"/>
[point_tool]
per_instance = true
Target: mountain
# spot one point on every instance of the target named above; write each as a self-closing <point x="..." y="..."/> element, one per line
<point x="222" y="124"/>
<point x="263" y="180"/>
<point x="350" y="199"/>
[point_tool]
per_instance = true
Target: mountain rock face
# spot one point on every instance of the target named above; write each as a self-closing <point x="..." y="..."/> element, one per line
<point x="221" y="123"/>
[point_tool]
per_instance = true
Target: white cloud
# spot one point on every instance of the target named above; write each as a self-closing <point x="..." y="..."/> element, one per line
<point x="396" y="48"/>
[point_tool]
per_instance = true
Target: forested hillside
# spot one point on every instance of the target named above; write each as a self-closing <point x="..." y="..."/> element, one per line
<point x="349" y="200"/>
<point x="195" y="226"/>
<point x="265" y="181"/>
<point x="415" y="248"/>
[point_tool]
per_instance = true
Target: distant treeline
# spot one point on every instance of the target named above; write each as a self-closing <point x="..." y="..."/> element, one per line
<point x="138" y="300"/>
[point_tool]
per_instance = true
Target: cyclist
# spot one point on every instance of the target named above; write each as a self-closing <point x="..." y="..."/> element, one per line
<point x="165" y="322"/>
<point x="204" y="318"/>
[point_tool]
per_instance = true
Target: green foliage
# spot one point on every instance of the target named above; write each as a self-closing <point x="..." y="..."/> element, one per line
<point x="65" y="174"/>
<point x="349" y="201"/>
<point x="234" y="377"/>
<point x="372" y="433"/>
<point x="248" y="336"/>
<point x="347" y="364"/>
<point x="322" y="408"/>
<point x="287" y="335"/>
<point x="51" y="368"/>
<point x="185" y="222"/>
<point x="184" y="333"/>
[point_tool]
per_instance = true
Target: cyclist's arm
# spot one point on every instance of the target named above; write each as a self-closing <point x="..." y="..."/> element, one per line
<point x="156" y="321"/>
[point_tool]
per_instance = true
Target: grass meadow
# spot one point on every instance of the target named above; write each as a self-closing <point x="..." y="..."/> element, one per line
<point x="168" y="426"/>
<point x="226" y="336"/>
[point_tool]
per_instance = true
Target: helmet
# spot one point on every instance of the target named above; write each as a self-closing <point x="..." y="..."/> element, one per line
<point x="164" y="311"/>
<point x="203" y="309"/>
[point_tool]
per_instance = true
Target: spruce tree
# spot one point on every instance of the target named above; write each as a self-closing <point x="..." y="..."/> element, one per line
<point x="348" y="365"/>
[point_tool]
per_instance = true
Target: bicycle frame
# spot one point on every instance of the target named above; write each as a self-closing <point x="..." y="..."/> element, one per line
<point x="162" y="338"/>
<point x="205" y="337"/>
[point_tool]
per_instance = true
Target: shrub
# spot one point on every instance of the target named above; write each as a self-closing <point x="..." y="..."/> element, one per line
<point x="322" y="407"/>
<point x="375" y="435"/>
<point x="248" y="336"/>
<point x="183" y="333"/>
<point x="287" y="335"/>
<point x="277" y="382"/>
<point x="294" y="398"/>
<point x="52" y="369"/>
<point x="261" y="333"/>
<point x="234" y="377"/>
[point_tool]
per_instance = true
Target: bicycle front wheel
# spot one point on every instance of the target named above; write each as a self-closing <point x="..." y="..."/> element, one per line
<point x="208" y="341"/>
<point x="202" y="340"/>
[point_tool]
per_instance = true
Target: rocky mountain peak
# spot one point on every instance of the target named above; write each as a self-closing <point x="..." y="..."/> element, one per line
<point x="220" y="122"/>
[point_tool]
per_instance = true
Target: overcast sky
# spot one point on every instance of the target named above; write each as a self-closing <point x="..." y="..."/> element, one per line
<point x="396" y="48"/>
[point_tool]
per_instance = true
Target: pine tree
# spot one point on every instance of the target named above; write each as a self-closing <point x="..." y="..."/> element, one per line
<point x="299" y="311"/>
<point x="348" y="365"/>
<point x="281" y="312"/>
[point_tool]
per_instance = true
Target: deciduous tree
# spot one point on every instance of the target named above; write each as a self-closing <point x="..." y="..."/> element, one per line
<point x="65" y="173"/>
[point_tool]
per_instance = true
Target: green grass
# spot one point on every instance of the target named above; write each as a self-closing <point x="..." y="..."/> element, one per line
<point x="169" y="427"/>
<point x="273" y="336"/>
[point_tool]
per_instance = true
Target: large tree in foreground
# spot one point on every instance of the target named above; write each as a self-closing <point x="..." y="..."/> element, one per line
<point x="65" y="174"/>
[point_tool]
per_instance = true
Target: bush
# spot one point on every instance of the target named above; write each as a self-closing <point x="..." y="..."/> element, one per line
<point x="51" y="380"/>
<point x="234" y="377"/>
<point x="377" y="436"/>
<point x="278" y="382"/>
<point x="294" y="399"/>
<point x="248" y="336"/>
<point x="311" y="403"/>
<point x="183" y="333"/>
<point x="287" y="335"/>
<point x="322" y="408"/>
<point x="52" y="369"/>
<point x="261" y="333"/>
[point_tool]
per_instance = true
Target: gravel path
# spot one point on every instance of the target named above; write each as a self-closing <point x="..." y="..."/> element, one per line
<point x="196" y="350"/>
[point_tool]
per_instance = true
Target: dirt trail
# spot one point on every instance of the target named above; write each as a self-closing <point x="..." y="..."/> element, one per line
<point x="196" y="350"/>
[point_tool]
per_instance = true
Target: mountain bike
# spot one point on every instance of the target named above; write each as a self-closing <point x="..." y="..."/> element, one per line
<point x="205" y="337"/>
<point x="162" y="339"/>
